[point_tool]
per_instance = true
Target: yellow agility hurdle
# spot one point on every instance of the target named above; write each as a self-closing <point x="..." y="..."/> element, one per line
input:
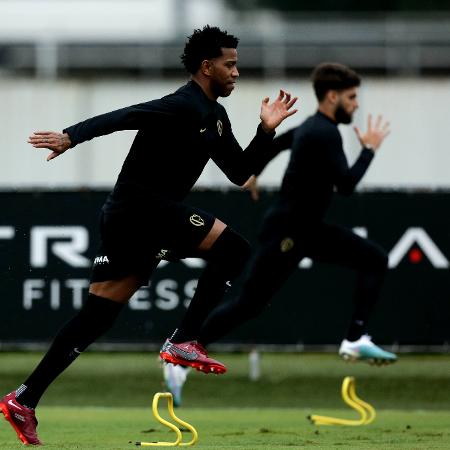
<point x="367" y="412"/>
<point x="179" y="436"/>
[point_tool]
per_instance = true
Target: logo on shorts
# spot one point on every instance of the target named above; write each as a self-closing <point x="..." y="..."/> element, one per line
<point x="196" y="220"/>
<point x="101" y="260"/>
<point x="162" y="253"/>
<point x="286" y="244"/>
<point x="219" y="127"/>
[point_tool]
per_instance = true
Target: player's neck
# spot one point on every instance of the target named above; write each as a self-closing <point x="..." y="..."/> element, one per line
<point x="328" y="111"/>
<point x="205" y="84"/>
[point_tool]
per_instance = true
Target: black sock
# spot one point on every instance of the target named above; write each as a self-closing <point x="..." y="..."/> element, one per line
<point x="356" y="329"/>
<point x="226" y="260"/>
<point x="94" y="319"/>
<point x="367" y="292"/>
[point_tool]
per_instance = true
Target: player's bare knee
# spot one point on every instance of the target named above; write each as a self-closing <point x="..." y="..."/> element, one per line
<point x="116" y="290"/>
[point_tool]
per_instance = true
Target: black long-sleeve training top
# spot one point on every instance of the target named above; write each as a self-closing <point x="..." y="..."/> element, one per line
<point x="176" y="137"/>
<point x="316" y="168"/>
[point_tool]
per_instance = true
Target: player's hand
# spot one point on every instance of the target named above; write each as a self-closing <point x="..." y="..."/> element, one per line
<point x="272" y="114"/>
<point x="375" y="134"/>
<point x="57" y="142"/>
<point x="251" y="185"/>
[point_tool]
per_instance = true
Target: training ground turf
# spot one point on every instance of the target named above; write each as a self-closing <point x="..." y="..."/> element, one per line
<point x="104" y="401"/>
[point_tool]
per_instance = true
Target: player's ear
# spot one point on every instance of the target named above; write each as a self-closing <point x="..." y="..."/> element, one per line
<point x="206" y="67"/>
<point x="332" y="96"/>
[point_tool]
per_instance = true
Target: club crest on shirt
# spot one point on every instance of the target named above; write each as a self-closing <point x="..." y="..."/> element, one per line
<point x="196" y="220"/>
<point x="219" y="127"/>
<point x="286" y="244"/>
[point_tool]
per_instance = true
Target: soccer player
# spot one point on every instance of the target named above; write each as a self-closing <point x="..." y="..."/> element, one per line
<point x="144" y="219"/>
<point x="295" y="228"/>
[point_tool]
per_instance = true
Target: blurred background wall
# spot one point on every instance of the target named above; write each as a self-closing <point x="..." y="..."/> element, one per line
<point x="62" y="61"/>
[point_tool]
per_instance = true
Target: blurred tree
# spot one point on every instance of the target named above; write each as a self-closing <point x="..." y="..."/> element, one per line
<point x="344" y="5"/>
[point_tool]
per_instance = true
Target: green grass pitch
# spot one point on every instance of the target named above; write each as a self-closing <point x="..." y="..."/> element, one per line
<point x="104" y="401"/>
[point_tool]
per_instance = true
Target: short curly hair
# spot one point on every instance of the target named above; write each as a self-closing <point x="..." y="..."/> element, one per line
<point x="333" y="76"/>
<point x="206" y="43"/>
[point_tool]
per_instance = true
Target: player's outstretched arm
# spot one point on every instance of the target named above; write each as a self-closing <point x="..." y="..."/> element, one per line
<point x="58" y="143"/>
<point x="272" y="114"/>
<point x="347" y="178"/>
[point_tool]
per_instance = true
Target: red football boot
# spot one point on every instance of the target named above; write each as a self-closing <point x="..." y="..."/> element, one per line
<point x="191" y="354"/>
<point x="21" y="418"/>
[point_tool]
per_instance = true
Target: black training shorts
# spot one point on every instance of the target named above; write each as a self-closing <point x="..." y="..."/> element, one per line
<point x="133" y="243"/>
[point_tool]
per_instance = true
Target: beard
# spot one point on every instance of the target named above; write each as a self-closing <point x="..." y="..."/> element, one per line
<point x="222" y="89"/>
<point x="341" y="115"/>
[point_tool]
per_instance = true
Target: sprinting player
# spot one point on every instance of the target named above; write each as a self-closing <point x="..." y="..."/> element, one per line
<point x="144" y="219"/>
<point x="295" y="228"/>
